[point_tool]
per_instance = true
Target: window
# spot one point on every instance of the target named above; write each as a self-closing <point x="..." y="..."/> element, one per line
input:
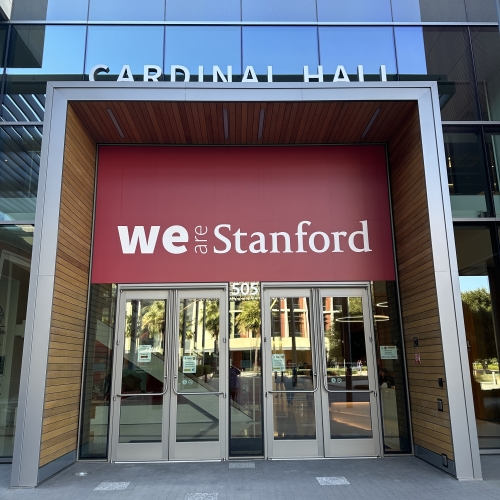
<point x="479" y="282"/>
<point x="351" y="46"/>
<point x="206" y="46"/>
<point x="279" y="10"/>
<point x="354" y="10"/>
<point x="286" y="49"/>
<point x="467" y="178"/>
<point x="429" y="10"/>
<point x="201" y="10"/>
<point x="441" y="54"/>
<point x="116" y="46"/>
<point x="126" y="10"/>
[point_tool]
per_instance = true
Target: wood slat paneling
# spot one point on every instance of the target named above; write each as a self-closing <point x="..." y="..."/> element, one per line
<point x="63" y="385"/>
<point x="431" y="428"/>
<point x="202" y="123"/>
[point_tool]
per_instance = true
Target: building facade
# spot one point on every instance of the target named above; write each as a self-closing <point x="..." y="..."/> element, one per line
<point x="248" y="229"/>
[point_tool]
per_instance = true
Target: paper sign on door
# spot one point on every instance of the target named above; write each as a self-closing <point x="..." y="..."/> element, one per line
<point x="189" y="364"/>
<point x="144" y="353"/>
<point x="279" y="362"/>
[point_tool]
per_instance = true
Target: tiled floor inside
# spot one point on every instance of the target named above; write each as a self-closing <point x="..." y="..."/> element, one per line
<point x="389" y="478"/>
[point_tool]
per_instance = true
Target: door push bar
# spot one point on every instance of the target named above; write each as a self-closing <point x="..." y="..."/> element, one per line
<point x="208" y="393"/>
<point x="294" y="392"/>
<point x="345" y="390"/>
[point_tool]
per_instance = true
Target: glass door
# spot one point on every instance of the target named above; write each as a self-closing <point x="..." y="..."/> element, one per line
<point x="319" y="373"/>
<point x="168" y="396"/>
<point x="349" y="382"/>
<point x="293" y="403"/>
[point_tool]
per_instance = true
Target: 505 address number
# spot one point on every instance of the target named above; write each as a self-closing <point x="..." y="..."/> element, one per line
<point x="244" y="289"/>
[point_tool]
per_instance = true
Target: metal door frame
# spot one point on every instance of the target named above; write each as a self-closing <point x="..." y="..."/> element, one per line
<point x="315" y="292"/>
<point x="167" y="450"/>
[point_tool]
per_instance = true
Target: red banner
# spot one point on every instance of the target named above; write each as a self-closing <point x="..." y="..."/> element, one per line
<point x="220" y="214"/>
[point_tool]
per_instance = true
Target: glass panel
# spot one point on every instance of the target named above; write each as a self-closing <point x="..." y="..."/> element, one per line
<point x="126" y="10"/>
<point x="350" y="46"/>
<point x="245" y="376"/>
<point x="492" y="139"/>
<point x="286" y="49"/>
<point x="442" y="11"/>
<point x="201" y="10"/>
<point x="52" y="10"/>
<point x="486" y="47"/>
<point x="481" y="11"/>
<point x="406" y="10"/>
<point x="345" y="349"/>
<point x="466" y="172"/>
<point x="98" y="367"/>
<point x="278" y="10"/>
<point x="441" y="54"/>
<point x="479" y="278"/>
<point x="19" y="167"/>
<point x="143" y="371"/>
<point x="355" y="11"/>
<point x="350" y="416"/>
<point x="292" y="369"/>
<point x="119" y="45"/>
<point x="198" y="370"/>
<point x="15" y="259"/>
<point x="390" y="366"/>
<point x="38" y="54"/>
<point x="203" y="46"/>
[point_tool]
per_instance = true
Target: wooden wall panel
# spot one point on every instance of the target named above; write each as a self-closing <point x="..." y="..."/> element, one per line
<point x="69" y="309"/>
<point x="431" y="428"/>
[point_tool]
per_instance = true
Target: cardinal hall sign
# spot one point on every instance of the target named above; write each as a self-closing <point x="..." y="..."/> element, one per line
<point x="153" y="73"/>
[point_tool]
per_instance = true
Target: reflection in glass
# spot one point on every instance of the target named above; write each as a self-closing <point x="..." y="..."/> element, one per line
<point x="345" y="350"/>
<point x="143" y="372"/>
<point x="198" y="370"/>
<point x="483" y="11"/>
<point x="206" y="46"/>
<point x="486" y="46"/>
<point x="406" y="10"/>
<point x="245" y="377"/>
<point x="467" y="179"/>
<point x="126" y="10"/>
<point x="201" y="10"/>
<point x="492" y="139"/>
<point x="448" y="61"/>
<point x="355" y="11"/>
<point x="353" y="45"/>
<point x="287" y="49"/>
<point x="119" y="45"/>
<point x="390" y="367"/>
<point x="98" y="368"/>
<point x="350" y="416"/>
<point x="292" y="369"/>
<point x="277" y="10"/>
<point x="480" y="295"/>
<point x="38" y="54"/>
<point x="19" y="167"/>
<point x="443" y="11"/>
<point x="16" y="244"/>
<point x="51" y="10"/>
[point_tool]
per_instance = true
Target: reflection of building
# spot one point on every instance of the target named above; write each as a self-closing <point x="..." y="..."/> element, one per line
<point x="456" y="47"/>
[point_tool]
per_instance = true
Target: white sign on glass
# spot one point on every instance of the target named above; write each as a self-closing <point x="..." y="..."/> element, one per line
<point x="388" y="352"/>
<point x="144" y="354"/>
<point x="189" y="364"/>
<point x="279" y="362"/>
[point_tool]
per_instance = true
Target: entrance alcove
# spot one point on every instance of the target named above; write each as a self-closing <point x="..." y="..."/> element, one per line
<point x="79" y="119"/>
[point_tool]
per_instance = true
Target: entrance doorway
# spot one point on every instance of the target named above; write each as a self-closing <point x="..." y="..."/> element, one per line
<point x="320" y="378"/>
<point x="170" y="371"/>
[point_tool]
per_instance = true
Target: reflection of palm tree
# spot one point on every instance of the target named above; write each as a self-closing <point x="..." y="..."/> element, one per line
<point x="249" y="320"/>
<point x="212" y="321"/>
<point x="153" y="317"/>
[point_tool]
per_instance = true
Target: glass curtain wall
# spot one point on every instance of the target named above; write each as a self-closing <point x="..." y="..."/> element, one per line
<point x="478" y="263"/>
